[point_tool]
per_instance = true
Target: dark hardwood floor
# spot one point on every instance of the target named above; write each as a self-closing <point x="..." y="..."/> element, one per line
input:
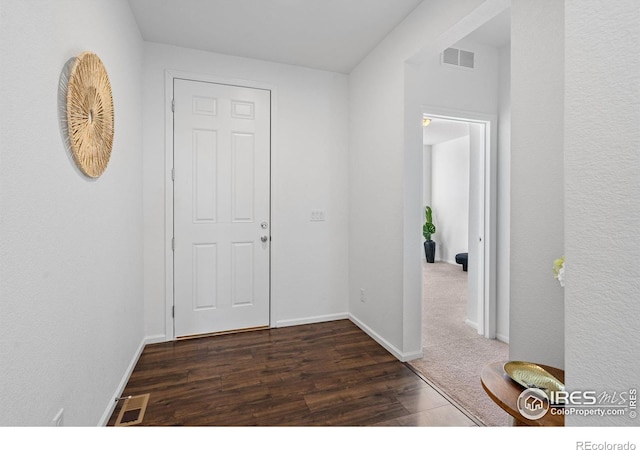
<point x="326" y="374"/>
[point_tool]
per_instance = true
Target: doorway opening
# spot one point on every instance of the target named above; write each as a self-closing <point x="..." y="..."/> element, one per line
<point x="458" y="187"/>
<point x="459" y="310"/>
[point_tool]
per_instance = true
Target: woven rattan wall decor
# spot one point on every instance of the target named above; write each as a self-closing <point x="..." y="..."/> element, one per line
<point x="90" y="119"/>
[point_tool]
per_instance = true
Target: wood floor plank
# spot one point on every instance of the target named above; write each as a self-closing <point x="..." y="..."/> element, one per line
<point x="326" y="374"/>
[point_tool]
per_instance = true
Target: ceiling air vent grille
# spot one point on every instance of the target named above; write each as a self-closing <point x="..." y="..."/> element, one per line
<point x="458" y="58"/>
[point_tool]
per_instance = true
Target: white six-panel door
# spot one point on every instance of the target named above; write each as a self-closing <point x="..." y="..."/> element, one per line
<point x="221" y="207"/>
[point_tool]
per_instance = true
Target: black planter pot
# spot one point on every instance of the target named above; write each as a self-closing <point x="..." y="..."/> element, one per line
<point x="430" y="250"/>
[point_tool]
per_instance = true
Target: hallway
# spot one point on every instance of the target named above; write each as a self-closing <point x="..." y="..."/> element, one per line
<point x="454" y="353"/>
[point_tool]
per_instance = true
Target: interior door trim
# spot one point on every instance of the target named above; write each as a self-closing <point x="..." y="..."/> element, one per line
<point x="487" y="301"/>
<point x="170" y="75"/>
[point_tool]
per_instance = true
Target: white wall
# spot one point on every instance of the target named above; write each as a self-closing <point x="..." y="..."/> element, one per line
<point x="461" y="89"/>
<point x="385" y="170"/>
<point x="450" y="197"/>
<point x="503" y="227"/>
<point x="309" y="167"/>
<point x="602" y="199"/>
<point x="71" y="267"/>
<point x="537" y="197"/>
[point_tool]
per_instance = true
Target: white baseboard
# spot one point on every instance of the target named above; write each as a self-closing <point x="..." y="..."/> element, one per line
<point x="499" y="337"/>
<point x="328" y="318"/>
<point x="156" y="339"/>
<point x="472" y="324"/>
<point x="312" y="319"/>
<point x="123" y="383"/>
<point x="402" y="356"/>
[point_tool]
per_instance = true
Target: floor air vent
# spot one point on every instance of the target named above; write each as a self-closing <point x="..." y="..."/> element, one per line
<point x="458" y="58"/>
<point x="132" y="411"/>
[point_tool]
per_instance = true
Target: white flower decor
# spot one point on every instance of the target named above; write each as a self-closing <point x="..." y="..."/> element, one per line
<point x="558" y="270"/>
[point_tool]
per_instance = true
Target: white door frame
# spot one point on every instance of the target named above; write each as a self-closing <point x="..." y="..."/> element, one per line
<point x="486" y="307"/>
<point x="170" y="75"/>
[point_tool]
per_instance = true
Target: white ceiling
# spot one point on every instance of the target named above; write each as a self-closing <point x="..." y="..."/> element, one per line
<point x="494" y="33"/>
<point x="443" y="130"/>
<point x="330" y="35"/>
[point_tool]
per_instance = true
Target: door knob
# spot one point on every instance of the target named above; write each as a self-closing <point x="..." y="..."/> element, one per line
<point x="264" y="238"/>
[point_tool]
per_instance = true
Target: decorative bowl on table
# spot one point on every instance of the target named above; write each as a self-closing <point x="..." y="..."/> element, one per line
<point x="532" y="376"/>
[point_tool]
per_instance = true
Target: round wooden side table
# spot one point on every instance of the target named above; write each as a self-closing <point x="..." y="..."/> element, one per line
<point x="504" y="391"/>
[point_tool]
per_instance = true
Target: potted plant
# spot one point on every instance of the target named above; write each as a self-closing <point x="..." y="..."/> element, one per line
<point x="427" y="230"/>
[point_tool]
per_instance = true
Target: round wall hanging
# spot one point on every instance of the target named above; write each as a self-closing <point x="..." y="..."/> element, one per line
<point x="90" y="114"/>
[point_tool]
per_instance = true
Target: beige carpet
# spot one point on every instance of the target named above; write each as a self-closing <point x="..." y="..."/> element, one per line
<point x="454" y="353"/>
